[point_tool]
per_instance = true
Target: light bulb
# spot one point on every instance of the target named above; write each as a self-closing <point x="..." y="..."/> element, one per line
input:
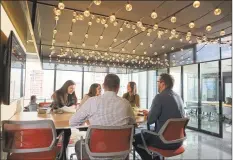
<point x="173" y="19"/>
<point x="173" y="31"/>
<point x="191" y="25"/>
<point x="141" y="43"/>
<point x="145" y="52"/>
<point x="133" y="51"/>
<point x="96" y="46"/>
<point x="189" y="34"/>
<point x="121" y="29"/>
<point x="53" y="41"/>
<point x="133" y="27"/>
<point x="114" y="40"/>
<point x="151" y="45"/>
<point x="143" y="29"/>
<point x="54" y="31"/>
<point x="90" y="23"/>
<point x="129" y="41"/>
<point x="56" y="18"/>
<point x="110" y="48"/>
<point x="73" y="20"/>
<point x="106" y="25"/>
<point x="83" y="44"/>
<point x="187" y="38"/>
<point x="155" y="26"/>
<point x="103" y="20"/>
<point x="57" y="12"/>
<point x="128" y="7"/>
<point x="153" y="15"/>
<point x="222" y="33"/>
<point x="217" y="11"/>
<point x="98" y="20"/>
<point x="149" y="30"/>
<point x="128" y="25"/>
<point x="61" y="5"/>
<point x="87" y="13"/>
<point x="155" y="53"/>
<point x="172" y="48"/>
<point x="136" y="31"/>
<point x="92" y="16"/>
<point x="190" y="42"/>
<point x="115" y="23"/>
<point x="163" y="47"/>
<point x="112" y="18"/>
<point x="97" y="2"/>
<point x="68" y="43"/>
<point x="208" y="28"/>
<point x="101" y="37"/>
<point x="181" y="40"/>
<point x="71" y="33"/>
<point x="180" y="50"/>
<point x="123" y="49"/>
<point x="196" y="4"/>
<point x="86" y="35"/>
<point x="139" y="24"/>
<point x="148" y="34"/>
<point x="81" y="18"/>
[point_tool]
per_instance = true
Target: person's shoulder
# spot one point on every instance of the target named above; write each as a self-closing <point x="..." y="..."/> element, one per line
<point x="137" y="95"/>
<point x="125" y="95"/>
<point x="123" y="100"/>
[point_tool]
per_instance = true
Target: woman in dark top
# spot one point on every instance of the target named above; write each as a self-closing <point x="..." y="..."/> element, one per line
<point x="65" y="96"/>
<point x="132" y="95"/>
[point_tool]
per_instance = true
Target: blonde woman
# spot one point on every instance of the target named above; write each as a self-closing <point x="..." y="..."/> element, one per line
<point x="132" y="95"/>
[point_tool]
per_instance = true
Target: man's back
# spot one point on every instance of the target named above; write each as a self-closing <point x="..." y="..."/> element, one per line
<point x="107" y="110"/>
<point x="166" y="105"/>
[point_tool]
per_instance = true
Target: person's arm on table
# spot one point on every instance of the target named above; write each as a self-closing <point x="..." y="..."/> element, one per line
<point x="81" y="115"/>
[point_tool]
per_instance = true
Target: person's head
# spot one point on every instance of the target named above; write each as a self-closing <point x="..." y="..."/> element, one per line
<point x="166" y="81"/>
<point x="131" y="88"/>
<point x="33" y="99"/>
<point x="68" y="87"/>
<point x="111" y="83"/>
<point x="95" y="90"/>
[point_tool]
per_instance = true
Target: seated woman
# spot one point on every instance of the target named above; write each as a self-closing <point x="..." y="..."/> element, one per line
<point x="32" y="106"/>
<point x="95" y="90"/>
<point x="132" y="95"/>
<point x="65" y="96"/>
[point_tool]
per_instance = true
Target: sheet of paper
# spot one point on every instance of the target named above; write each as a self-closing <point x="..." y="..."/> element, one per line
<point x="66" y="109"/>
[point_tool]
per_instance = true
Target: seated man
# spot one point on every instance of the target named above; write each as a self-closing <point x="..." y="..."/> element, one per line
<point x="105" y="110"/>
<point x="167" y="104"/>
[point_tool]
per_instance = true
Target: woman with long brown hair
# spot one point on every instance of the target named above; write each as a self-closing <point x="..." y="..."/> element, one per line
<point x="95" y="90"/>
<point x="132" y="95"/>
<point x="65" y="96"/>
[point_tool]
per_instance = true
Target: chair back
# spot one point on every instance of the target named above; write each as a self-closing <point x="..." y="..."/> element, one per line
<point x="28" y="136"/>
<point x="109" y="141"/>
<point x="173" y="131"/>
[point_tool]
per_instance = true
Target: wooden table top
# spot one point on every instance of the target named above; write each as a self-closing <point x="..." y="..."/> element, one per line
<point x="61" y="121"/>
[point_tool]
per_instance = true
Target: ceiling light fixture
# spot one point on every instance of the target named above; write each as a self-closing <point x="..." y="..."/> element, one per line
<point x="181" y="40"/>
<point x="84" y="45"/>
<point x="87" y="13"/>
<point x="139" y="24"/>
<point x="86" y="35"/>
<point x="112" y="17"/>
<point x="61" y="5"/>
<point x="121" y="29"/>
<point x="73" y="20"/>
<point x="133" y="27"/>
<point x="114" y="40"/>
<point x="163" y="47"/>
<point x="103" y="20"/>
<point x="222" y="33"/>
<point x="155" y="26"/>
<point x="56" y="18"/>
<point x="54" y="31"/>
<point x="98" y="20"/>
<point x="154" y="15"/>
<point x="196" y="4"/>
<point x="141" y="43"/>
<point x="128" y="7"/>
<point x="208" y="28"/>
<point x="189" y="34"/>
<point x="191" y="25"/>
<point x="151" y="45"/>
<point x="106" y="25"/>
<point x="71" y="33"/>
<point x="136" y="31"/>
<point x="89" y="23"/>
<point x="97" y="2"/>
<point x="173" y="19"/>
<point x="101" y="37"/>
<point x="115" y="23"/>
<point x="217" y="11"/>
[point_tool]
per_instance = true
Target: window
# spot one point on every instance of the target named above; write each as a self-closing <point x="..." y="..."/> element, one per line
<point x="207" y="52"/>
<point x="141" y="81"/>
<point x="190" y="89"/>
<point x="92" y="77"/>
<point x="124" y="79"/>
<point x="152" y="89"/>
<point x="226" y="47"/>
<point x="63" y="76"/>
<point x="181" y="57"/>
<point x="176" y="73"/>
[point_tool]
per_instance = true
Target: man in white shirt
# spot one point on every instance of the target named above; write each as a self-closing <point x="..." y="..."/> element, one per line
<point x="105" y="110"/>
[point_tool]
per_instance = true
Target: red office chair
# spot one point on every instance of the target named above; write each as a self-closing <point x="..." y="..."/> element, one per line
<point x="109" y="141"/>
<point x="173" y="131"/>
<point x="30" y="140"/>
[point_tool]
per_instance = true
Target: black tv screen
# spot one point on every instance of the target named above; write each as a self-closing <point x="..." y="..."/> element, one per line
<point x="14" y="63"/>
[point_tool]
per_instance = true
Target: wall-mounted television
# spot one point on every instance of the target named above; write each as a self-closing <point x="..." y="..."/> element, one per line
<point x="14" y="64"/>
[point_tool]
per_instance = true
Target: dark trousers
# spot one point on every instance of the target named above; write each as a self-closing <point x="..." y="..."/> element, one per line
<point x="153" y="141"/>
<point x="67" y="134"/>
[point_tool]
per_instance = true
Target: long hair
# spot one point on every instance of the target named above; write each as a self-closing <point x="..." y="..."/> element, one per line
<point x="62" y="92"/>
<point x="133" y="87"/>
<point x="92" y="90"/>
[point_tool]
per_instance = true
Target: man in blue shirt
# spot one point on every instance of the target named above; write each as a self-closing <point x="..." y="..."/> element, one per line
<point x="166" y="105"/>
